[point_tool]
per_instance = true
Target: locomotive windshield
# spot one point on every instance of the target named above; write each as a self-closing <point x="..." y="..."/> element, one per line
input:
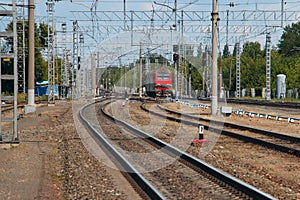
<point x="163" y="76"/>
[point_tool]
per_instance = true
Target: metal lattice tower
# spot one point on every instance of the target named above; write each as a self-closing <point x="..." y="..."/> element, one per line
<point x="268" y="66"/>
<point x="64" y="63"/>
<point x="88" y="77"/>
<point x="93" y="74"/>
<point x="80" y="70"/>
<point x="98" y="72"/>
<point x="11" y="135"/>
<point x="75" y="60"/>
<point x="21" y="46"/>
<point x="51" y="66"/>
<point x="206" y="71"/>
<point x="238" y="70"/>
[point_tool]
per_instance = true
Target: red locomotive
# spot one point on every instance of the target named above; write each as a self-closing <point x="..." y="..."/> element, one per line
<point x="159" y="82"/>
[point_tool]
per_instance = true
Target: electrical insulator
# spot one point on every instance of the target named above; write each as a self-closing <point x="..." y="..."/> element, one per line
<point x="231" y="4"/>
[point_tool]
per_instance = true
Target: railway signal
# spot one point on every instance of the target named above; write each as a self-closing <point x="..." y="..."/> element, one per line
<point x="79" y="61"/>
<point x="175" y="57"/>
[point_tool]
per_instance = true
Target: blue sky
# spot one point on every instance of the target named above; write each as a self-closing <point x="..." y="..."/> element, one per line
<point x="63" y="8"/>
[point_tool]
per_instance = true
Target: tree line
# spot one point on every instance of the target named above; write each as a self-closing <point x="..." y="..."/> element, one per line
<point x="285" y="59"/>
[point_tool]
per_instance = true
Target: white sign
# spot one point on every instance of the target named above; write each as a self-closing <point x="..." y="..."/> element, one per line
<point x="201" y="129"/>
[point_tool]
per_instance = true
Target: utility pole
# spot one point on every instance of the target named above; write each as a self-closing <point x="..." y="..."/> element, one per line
<point x="31" y="106"/>
<point x="125" y="90"/>
<point x="190" y="85"/>
<point x="282" y="12"/>
<point x="175" y="11"/>
<point x="134" y="77"/>
<point x="230" y="73"/>
<point x="124" y="10"/>
<point x="227" y="22"/>
<point x="214" y="96"/>
<point x="221" y="77"/>
<point x="98" y="73"/>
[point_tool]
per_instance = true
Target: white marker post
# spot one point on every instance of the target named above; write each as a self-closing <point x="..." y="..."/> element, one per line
<point x="201" y="131"/>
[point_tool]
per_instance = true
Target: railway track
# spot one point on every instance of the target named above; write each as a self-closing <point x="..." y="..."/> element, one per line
<point x="161" y="170"/>
<point x="280" y="142"/>
<point x="289" y="111"/>
<point x="260" y="103"/>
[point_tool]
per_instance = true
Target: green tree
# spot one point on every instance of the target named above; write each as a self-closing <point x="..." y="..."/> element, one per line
<point x="226" y="52"/>
<point x="229" y="73"/>
<point x="236" y="45"/>
<point x="41" y="33"/>
<point x="252" y="50"/>
<point x="291" y="68"/>
<point x="289" y="43"/>
<point x="289" y="56"/>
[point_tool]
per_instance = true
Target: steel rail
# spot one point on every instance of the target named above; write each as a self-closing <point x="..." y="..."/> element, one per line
<point x="264" y="103"/>
<point x="261" y="103"/>
<point x="133" y="173"/>
<point x="247" y="189"/>
<point x="241" y="127"/>
<point x="269" y="145"/>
